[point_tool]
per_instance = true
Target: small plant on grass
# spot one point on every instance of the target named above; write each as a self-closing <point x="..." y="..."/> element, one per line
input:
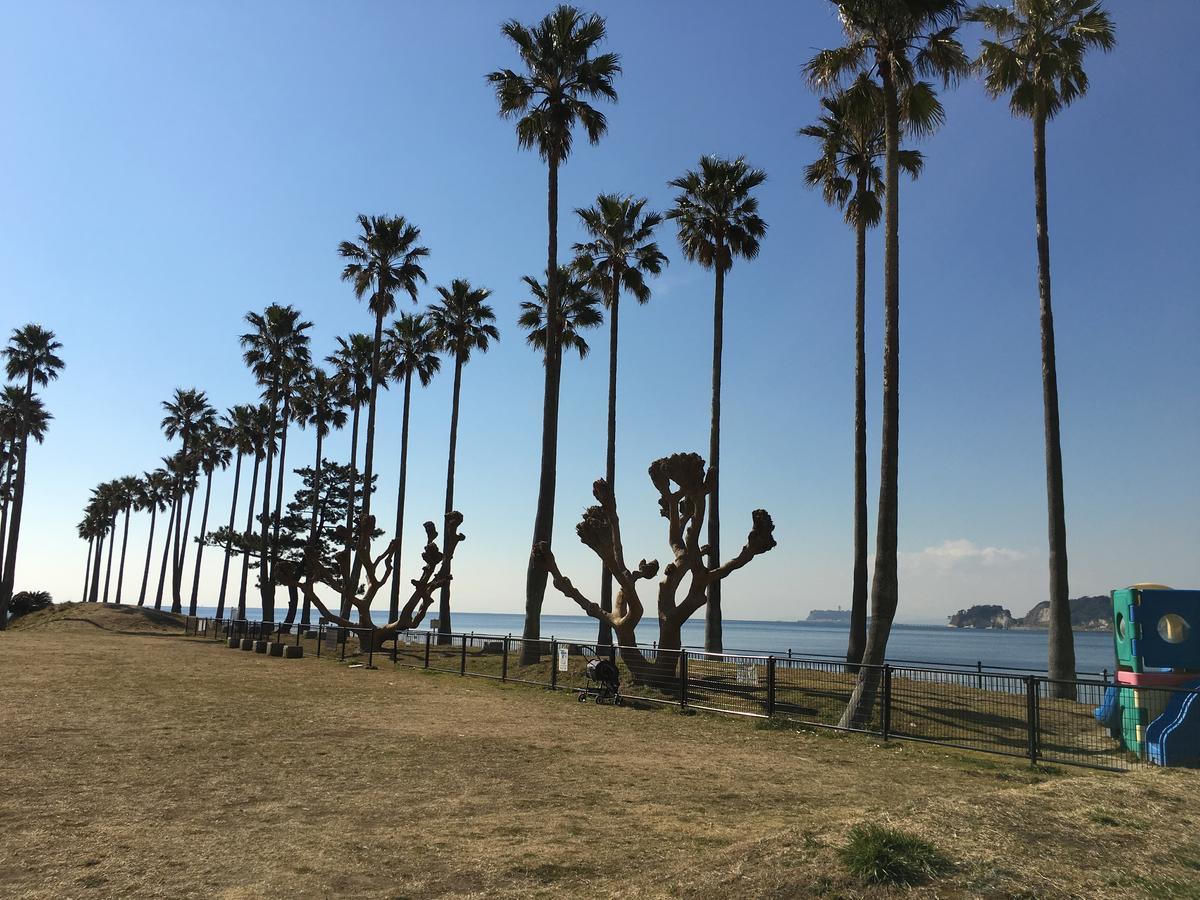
<point x="880" y="855"/>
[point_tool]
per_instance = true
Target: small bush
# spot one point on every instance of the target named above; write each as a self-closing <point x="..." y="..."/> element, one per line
<point x="25" y="602"/>
<point x="880" y="855"/>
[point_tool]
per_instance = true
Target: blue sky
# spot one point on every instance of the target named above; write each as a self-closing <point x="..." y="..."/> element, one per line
<point x="168" y="167"/>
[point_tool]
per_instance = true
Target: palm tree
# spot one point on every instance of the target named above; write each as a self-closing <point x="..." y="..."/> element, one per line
<point x="214" y="453"/>
<point x="32" y="356"/>
<point x="1036" y="58"/>
<point x="718" y="220"/>
<point x="182" y="470"/>
<point x="188" y="416"/>
<point x="239" y="426"/>
<point x="154" y="495"/>
<point x="352" y="367"/>
<point x="893" y="41"/>
<point x="462" y="323"/>
<point x="411" y="350"/>
<point x="578" y="307"/>
<point x="9" y="458"/>
<point x="385" y="260"/>
<point x="28" y="419"/>
<point x="97" y="513"/>
<point x="291" y="387"/>
<point x="274" y="345"/>
<point x="128" y="489"/>
<point x="321" y="405"/>
<point x="619" y="255"/>
<point x="563" y="75"/>
<point x="111" y="499"/>
<point x="262" y="425"/>
<point x="850" y="134"/>
<point x="88" y="532"/>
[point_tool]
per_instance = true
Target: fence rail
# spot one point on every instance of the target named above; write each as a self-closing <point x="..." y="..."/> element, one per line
<point x="987" y="710"/>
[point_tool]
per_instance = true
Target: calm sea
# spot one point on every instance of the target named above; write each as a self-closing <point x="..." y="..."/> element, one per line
<point x="912" y="643"/>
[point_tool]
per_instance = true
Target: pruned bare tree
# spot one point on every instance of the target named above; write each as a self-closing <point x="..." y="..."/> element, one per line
<point x="435" y="573"/>
<point x="683" y="485"/>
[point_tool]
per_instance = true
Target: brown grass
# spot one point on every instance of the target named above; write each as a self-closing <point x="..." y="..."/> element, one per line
<point x="172" y="767"/>
<point x="123" y="619"/>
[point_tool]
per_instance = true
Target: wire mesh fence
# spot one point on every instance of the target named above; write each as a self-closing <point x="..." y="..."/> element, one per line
<point x="1088" y="722"/>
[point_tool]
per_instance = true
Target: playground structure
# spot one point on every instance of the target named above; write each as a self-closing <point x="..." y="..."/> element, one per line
<point x="1154" y="706"/>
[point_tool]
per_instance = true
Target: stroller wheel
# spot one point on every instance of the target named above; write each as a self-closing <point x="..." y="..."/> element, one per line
<point x="583" y="696"/>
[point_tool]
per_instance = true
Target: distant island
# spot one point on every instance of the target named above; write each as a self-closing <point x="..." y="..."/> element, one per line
<point x="830" y="616"/>
<point x="1087" y="614"/>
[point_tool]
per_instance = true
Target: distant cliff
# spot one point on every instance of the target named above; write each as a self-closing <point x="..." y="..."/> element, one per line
<point x="836" y="616"/>
<point x="1087" y="614"/>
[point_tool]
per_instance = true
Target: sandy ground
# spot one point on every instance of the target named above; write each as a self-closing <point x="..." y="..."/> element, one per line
<point x="161" y="766"/>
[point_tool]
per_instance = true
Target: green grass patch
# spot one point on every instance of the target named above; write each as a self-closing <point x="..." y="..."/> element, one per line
<point x="879" y="855"/>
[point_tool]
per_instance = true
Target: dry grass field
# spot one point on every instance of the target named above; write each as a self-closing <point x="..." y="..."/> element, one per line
<point x="155" y="765"/>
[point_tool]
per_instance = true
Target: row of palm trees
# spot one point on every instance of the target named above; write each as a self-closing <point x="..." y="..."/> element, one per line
<point x="31" y="360"/>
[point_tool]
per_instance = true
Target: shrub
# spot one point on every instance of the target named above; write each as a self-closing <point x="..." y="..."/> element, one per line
<point x="880" y="855"/>
<point x="25" y="602"/>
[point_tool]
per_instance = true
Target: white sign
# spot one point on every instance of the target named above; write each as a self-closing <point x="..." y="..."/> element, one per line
<point x="747" y="673"/>
<point x="563" y="651"/>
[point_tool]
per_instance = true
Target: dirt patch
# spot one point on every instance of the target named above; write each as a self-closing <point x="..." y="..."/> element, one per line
<point x="181" y="768"/>
<point x="107" y="617"/>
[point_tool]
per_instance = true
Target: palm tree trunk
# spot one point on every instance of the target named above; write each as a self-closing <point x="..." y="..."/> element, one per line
<point x="200" y="548"/>
<point x="149" y="548"/>
<point x="369" y="452"/>
<point x="237" y="482"/>
<point x="394" y="605"/>
<point x="1061" y="663"/>
<point x="884" y="585"/>
<point x="858" y="590"/>
<point x="604" y="633"/>
<point x="313" y="543"/>
<point x="266" y="588"/>
<point x="444" y="600"/>
<point x="279" y="490"/>
<point x="111" y="545"/>
<point x="713" y="642"/>
<point x="348" y="589"/>
<point x="121" y="564"/>
<point x="167" y="547"/>
<point x="5" y="502"/>
<point x="241" y="607"/>
<point x="95" y="592"/>
<point x="543" y="522"/>
<point x="87" y="568"/>
<point x="177" y="579"/>
<point x="14" y="532"/>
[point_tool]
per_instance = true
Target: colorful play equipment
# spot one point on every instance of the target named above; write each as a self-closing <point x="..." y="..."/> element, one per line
<point x="1154" y="706"/>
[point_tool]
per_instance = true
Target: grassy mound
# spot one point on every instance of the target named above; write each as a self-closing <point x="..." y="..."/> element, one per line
<point x="880" y="855"/>
<point x="124" y="619"/>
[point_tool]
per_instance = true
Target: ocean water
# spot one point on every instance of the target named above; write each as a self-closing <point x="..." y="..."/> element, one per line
<point x="1094" y="651"/>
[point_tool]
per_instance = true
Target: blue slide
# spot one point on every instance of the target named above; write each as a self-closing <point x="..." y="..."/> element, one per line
<point x="1173" y="739"/>
<point x="1108" y="713"/>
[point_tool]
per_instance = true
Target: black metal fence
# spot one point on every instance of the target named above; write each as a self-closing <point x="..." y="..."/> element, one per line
<point x="974" y="708"/>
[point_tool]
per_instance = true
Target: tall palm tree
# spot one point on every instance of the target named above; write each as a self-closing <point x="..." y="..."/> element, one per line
<point x="1036" y="59"/>
<point x="188" y="416"/>
<point x="384" y="261"/>
<point x="850" y="134"/>
<point x="321" y="405"/>
<point x="182" y="469"/>
<point x="291" y="388"/>
<point x="274" y="345"/>
<point x="578" y="308"/>
<point x="28" y="419"/>
<point x="97" y="513"/>
<point x="154" y="495"/>
<point x="214" y="453"/>
<point x="9" y="459"/>
<point x="239" y="426"/>
<point x="128" y="489"/>
<point x="30" y="356"/>
<point x="352" y="367"/>
<point x="563" y="75"/>
<point x="411" y="350"/>
<point x="262" y="425"/>
<point x="620" y="254"/>
<point x="718" y="221"/>
<point x="87" y="532"/>
<point x="893" y="41"/>
<point x="462" y="323"/>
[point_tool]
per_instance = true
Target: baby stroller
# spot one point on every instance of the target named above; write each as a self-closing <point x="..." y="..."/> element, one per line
<point x="604" y="681"/>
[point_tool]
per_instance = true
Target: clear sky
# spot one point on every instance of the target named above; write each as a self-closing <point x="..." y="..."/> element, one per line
<point x="167" y="167"/>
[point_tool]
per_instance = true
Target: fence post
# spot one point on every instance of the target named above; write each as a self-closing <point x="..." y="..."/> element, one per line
<point x="371" y="648"/>
<point x="344" y="635"/>
<point x="395" y="646"/>
<point x="1031" y="704"/>
<point x="553" y="664"/>
<point x="428" y="635"/>
<point x="462" y="657"/>
<point x="887" y="701"/>
<point x="297" y="637"/>
<point x="504" y="662"/>
<point x="771" y="684"/>
<point x="683" y="679"/>
<point x="320" y="637"/>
